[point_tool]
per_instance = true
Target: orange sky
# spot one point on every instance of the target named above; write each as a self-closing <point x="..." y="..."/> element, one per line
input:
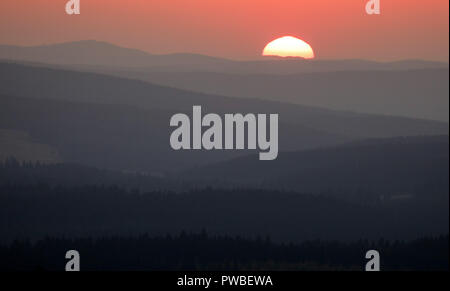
<point x="238" y="28"/>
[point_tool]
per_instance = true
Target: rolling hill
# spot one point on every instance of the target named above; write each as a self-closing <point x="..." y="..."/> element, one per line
<point x="421" y="93"/>
<point x="405" y="167"/>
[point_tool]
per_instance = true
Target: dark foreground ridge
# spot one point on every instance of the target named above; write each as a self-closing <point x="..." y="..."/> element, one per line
<point x="203" y="252"/>
<point x="36" y="211"/>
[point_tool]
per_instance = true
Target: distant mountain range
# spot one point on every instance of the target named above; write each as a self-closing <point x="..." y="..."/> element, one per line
<point x="409" y="88"/>
<point x="118" y="123"/>
<point x="102" y="54"/>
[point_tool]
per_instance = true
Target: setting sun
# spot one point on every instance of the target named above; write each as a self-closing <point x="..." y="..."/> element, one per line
<point x="288" y="46"/>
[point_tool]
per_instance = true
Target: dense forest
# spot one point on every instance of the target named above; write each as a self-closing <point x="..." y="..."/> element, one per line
<point x="318" y="224"/>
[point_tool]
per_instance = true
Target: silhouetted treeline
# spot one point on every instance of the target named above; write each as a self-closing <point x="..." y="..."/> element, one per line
<point x="203" y="252"/>
<point x="34" y="211"/>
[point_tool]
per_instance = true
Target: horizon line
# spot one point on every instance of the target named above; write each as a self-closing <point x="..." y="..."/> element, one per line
<point x="256" y="58"/>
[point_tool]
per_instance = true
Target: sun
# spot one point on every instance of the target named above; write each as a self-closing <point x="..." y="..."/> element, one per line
<point x="289" y="46"/>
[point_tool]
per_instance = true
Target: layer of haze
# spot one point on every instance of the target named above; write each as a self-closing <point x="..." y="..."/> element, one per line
<point x="238" y="29"/>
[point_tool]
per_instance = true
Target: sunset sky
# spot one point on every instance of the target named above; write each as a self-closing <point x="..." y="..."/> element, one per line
<point x="238" y="29"/>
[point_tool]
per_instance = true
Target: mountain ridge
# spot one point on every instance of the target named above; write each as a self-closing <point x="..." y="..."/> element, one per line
<point x="100" y="53"/>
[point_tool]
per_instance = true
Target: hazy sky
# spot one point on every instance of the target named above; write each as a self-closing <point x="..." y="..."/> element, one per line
<point x="238" y="28"/>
